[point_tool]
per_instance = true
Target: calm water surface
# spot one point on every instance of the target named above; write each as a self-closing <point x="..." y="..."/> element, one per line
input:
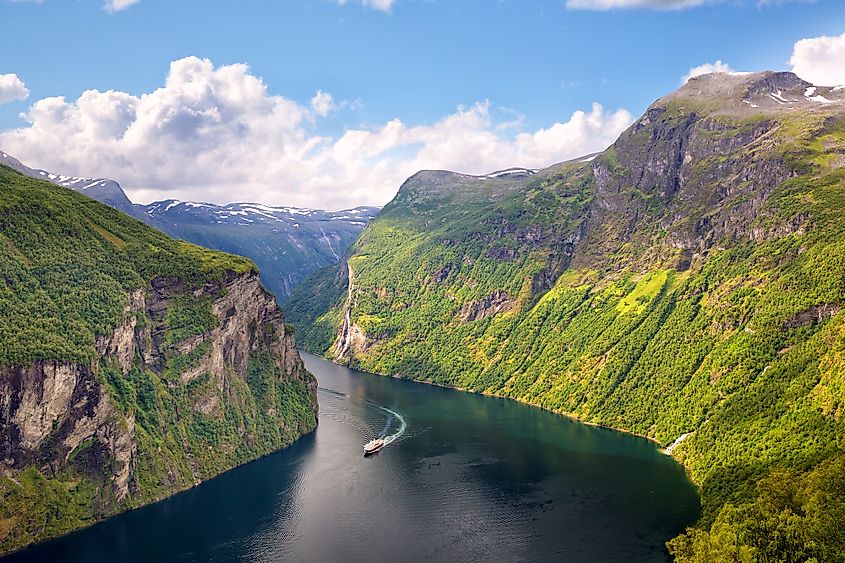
<point x="468" y="478"/>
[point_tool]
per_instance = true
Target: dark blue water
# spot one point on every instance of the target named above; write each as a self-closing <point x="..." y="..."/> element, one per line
<point x="471" y="478"/>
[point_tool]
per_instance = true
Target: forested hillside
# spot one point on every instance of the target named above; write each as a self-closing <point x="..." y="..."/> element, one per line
<point x="132" y="365"/>
<point x="686" y="284"/>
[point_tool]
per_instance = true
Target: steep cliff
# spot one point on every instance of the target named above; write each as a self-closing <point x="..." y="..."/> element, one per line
<point x="687" y="281"/>
<point x="132" y="365"/>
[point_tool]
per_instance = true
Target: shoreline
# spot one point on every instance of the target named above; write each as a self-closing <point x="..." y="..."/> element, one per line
<point x="664" y="450"/>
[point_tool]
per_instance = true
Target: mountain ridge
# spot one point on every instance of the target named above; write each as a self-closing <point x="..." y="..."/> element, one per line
<point x="287" y="243"/>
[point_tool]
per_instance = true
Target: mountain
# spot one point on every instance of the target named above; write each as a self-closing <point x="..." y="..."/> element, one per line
<point x="686" y="284"/>
<point x="286" y="243"/>
<point x="132" y="365"/>
<point x="103" y="190"/>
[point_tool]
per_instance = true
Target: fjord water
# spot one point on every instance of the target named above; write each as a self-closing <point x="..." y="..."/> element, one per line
<point x="470" y="478"/>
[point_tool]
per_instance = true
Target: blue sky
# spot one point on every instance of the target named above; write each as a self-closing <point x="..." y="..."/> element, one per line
<point x="530" y="64"/>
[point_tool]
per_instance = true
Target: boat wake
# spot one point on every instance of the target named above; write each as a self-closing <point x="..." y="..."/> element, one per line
<point x="393" y="415"/>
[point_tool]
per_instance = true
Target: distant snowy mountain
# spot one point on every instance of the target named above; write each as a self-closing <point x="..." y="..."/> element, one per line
<point x="246" y="214"/>
<point x="286" y="243"/>
<point x="102" y="189"/>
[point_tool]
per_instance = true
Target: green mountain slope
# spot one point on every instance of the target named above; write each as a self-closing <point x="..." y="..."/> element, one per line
<point x="132" y="365"/>
<point x="686" y="284"/>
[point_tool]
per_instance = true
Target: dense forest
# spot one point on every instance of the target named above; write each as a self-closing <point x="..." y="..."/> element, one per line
<point x="686" y="285"/>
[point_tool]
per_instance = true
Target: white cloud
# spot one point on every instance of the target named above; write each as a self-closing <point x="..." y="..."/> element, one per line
<point x="624" y="4"/>
<point x="706" y="68"/>
<point x="322" y="103"/>
<point x="380" y="5"/>
<point x="216" y="134"/>
<point x="118" y="5"/>
<point x="820" y="60"/>
<point x="12" y="89"/>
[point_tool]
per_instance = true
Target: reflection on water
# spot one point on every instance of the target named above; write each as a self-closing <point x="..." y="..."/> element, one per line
<point x="466" y="478"/>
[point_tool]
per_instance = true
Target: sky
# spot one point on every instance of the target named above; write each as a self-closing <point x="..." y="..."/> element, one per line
<point x="333" y="103"/>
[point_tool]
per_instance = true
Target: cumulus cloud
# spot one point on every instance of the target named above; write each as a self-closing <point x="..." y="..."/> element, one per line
<point x="322" y="103"/>
<point x="216" y="134"/>
<point x="706" y="68"/>
<point x="12" y="89"/>
<point x="380" y="5"/>
<point x="820" y="60"/>
<point x="108" y="5"/>
<point x="118" y="5"/>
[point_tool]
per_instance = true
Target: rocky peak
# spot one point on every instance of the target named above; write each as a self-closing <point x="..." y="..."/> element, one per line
<point x="769" y="82"/>
<point x="747" y="93"/>
<point x="104" y="190"/>
<point x="701" y="163"/>
<point x="15" y="164"/>
<point x="420" y="191"/>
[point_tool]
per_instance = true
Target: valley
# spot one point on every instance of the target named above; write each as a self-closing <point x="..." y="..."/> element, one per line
<point x="678" y="297"/>
<point x="684" y="282"/>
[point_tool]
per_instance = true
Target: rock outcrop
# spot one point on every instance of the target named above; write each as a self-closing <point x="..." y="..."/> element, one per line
<point x="495" y="303"/>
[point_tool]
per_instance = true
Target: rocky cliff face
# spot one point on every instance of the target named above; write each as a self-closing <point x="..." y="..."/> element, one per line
<point x="248" y="322"/>
<point x="49" y="408"/>
<point x="698" y="169"/>
<point x="50" y="411"/>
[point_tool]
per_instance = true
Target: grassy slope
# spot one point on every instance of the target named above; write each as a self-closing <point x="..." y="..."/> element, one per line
<point x="741" y="350"/>
<point x="66" y="266"/>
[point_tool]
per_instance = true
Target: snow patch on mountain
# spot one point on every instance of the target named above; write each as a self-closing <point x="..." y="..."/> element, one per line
<point x="510" y="173"/>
